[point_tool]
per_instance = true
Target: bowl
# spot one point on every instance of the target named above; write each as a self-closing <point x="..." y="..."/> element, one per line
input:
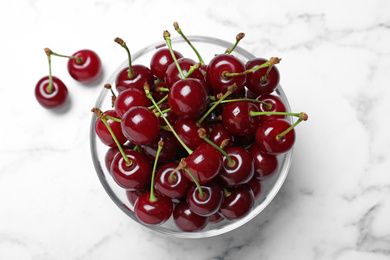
<point x="207" y="47"/>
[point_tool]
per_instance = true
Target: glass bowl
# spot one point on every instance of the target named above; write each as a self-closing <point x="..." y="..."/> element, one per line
<point x="207" y="47"/>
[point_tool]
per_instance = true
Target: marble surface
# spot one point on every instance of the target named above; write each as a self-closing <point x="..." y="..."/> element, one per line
<point x="335" y="203"/>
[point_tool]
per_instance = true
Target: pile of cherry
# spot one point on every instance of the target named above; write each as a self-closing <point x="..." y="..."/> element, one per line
<point x="194" y="141"/>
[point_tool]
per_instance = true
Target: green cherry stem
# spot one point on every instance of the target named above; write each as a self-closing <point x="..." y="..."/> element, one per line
<point x="159" y="148"/>
<point x="177" y="28"/>
<point x="167" y="38"/>
<point x="159" y="102"/>
<point x="271" y="62"/>
<point x="201" y="194"/>
<point x="238" y="39"/>
<point x="254" y="113"/>
<point x="192" y="69"/>
<point x="102" y="116"/>
<point x="149" y="95"/>
<point x="245" y="99"/>
<point x="122" y="43"/>
<point x="302" y="117"/>
<point x="49" y="88"/>
<point x="230" y="90"/>
<point x="78" y="59"/>
<point x="202" y="134"/>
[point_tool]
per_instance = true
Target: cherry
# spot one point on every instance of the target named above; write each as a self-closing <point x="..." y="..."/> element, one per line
<point x="262" y="81"/>
<point x="134" y="175"/>
<point x="170" y="180"/>
<point x="133" y="195"/>
<point x="168" y="114"/>
<point x="239" y="170"/>
<point x="134" y="76"/>
<point x="236" y="117"/>
<point x="270" y="139"/>
<point x="173" y="74"/>
<point x="216" y="69"/>
<point x="112" y="152"/>
<point x="51" y="96"/>
<point x="187" y="130"/>
<point x="130" y="98"/>
<point x="265" y="164"/>
<point x="256" y="186"/>
<point x="186" y="220"/>
<point x="209" y="202"/>
<point x="275" y="104"/>
<point x="160" y="61"/>
<point x="188" y="97"/>
<point x="86" y="68"/>
<point x="204" y="163"/>
<point x="140" y="125"/>
<point x="215" y="218"/>
<point x="154" y="212"/>
<point x="237" y="203"/>
<point x="104" y="134"/>
<point x="219" y="134"/>
<point x="168" y="151"/>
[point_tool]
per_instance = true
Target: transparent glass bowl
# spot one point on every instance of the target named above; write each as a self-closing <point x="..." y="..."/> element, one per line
<point x="207" y="47"/>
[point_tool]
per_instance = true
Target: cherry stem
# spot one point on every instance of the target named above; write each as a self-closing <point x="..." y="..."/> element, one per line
<point x="182" y="165"/>
<point x="162" y="89"/>
<point x="78" y="59"/>
<point x="159" y="102"/>
<point x="226" y="193"/>
<point x="122" y="43"/>
<point x="149" y="95"/>
<point x="202" y="134"/>
<point x="192" y="69"/>
<point x="137" y="148"/>
<point x="177" y="28"/>
<point x="230" y="90"/>
<point x="238" y="39"/>
<point x="159" y="148"/>
<point x="113" y="96"/>
<point x="302" y="117"/>
<point x="102" y="116"/>
<point x="263" y="79"/>
<point x="167" y="38"/>
<point x="201" y="194"/>
<point x="254" y="113"/>
<point x="49" y="88"/>
<point x="269" y="106"/>
<point x="271" y="62"/>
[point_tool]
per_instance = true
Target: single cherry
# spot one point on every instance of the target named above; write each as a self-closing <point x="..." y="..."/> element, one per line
<point x="186" y="220"/>
<point x="86" y="67"/>
<point x="209" y="202"/>
<point x="160" y="61"/>
<point x="275" y="104"/>
<point x="265" y="164"/>
<point x="262" y="81"/>
<point x="130" y="98"/>
<point x="170" y="180"/>
<point x="173" y="74"/>
<point x="168" y="151"/>
<point x="187" y="130"/>
<point x="238" y="202"/>
<point x="236" y="117"/>
<point x="256" y="186"/>
<point x="51" y="95"/>
<point x="154" y="212"/>
<point x="104" y="134"/>
<point x="220" y="134"/>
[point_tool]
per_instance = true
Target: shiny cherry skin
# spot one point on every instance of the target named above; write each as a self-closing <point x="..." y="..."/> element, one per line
<point x="174" y="188"/>
<point x="88" y="70"/>
<point x="238" y="204"/>
<point x="187" y="130"/>
<point x="188" y="98"/>
<point x="266" y="136"/>
<point x="236" y="118"/>
<point x="103" y="133"/>
<point x="225" y="63"/>
<point x="265" y="164"/>
<point x="112" y="152"/>
<point x="140" y="125"/>
<point x="205" y="163"/>
<point x="167" y="153"/>
<point x="210" y="202"/>
<point x="186" y="220"/>
<point x="254" y="82"/>
<point x="53" y="99"/>
<point x="142" y="75"/>
<point x="242" y="171"/>
<point x="133" y="195"/>
<point x="219" y="133"/>
<point x="135" y="176"/>
<point x="160" y="61"/>
<point x="276" y="106"/>
<point x="169" y="115"/>
<point x="153" y="212"/>
<point x="129" y="98"/>
<point x="172" y="74"/>
<point x="256" y="186"/>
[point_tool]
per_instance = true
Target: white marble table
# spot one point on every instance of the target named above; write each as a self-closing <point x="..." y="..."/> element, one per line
<point x="335" y="203"/>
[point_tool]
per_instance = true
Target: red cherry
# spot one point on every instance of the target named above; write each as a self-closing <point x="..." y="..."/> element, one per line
<point x="112" y="152"/>
<point x="215" y="73"/>
<point x="215" y="218"/>
<point x="130" y="98"/>
<point x="186" y="220"/>
<point x="236" y="118"/>
<point x="140" y="125"/>
<point x="276" y="106"/>
<point x="267" y="136"/>
<point x="153" y="212"/>
<point x="219" y="133"/>
<point x="103" y="133"/>
<point x="142" y="75"/>
<point x="173" y="75"/>
<point x="256" y="186"/>
<point x="51" y="99"/>
<point x="169" y="115"/>
<point x="188" y="98"/>
<point x="88" y="70"/>
<point x="160" y="61"/>
<point x="265" y="164"/>
<point x="133" y="195"/>
<point x="168" y="151"/>
<point x="238" y="204"/>
<point x="132" y="177"/>
<point x="254" y="81"/>
<point x="210" y="202"/>
<point x="187" y="130"/>
<point x="175" y="187"/>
